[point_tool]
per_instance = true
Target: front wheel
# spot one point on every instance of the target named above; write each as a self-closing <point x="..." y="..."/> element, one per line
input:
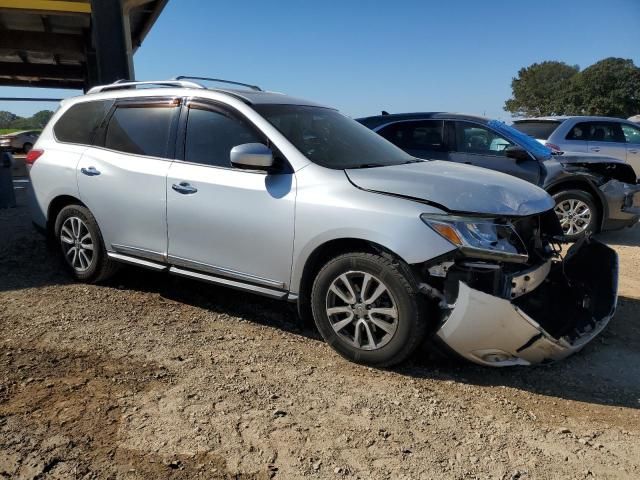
<point x="577" y="212"/>
<point x="368" y="308"/>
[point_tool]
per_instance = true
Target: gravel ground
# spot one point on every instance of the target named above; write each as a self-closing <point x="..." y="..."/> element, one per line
<point x="152" y="377"/>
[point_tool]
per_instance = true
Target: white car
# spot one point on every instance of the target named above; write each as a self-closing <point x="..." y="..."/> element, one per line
<point x="19" y="141"/>
<point x="281" y="197"/>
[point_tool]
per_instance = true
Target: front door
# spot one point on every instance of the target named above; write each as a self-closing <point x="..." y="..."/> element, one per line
<point x="606" y="138"/>
<point x="632" y="137"/>
<point x="223" y="220"/>
<point x="123" y="180"/>
<point x="479" y="145"/>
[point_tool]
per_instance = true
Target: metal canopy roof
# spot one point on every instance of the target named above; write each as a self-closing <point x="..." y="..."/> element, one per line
<point x="47" y="43"/>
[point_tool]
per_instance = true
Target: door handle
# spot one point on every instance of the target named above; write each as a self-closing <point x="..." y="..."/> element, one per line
<point x="184" y="187"/>
<point x="595" y="149"/>
<point x="90" y="172"/>
<point x="633" y="151"/>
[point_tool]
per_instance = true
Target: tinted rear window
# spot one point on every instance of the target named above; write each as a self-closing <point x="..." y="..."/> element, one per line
<point x="79" y="123"/>
<point x="541" y="129"/>
<point x="142" y="130"/>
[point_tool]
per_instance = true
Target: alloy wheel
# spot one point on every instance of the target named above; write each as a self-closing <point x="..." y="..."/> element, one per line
<point x="362" y="310"/>
<point x="77" y="244"/>
<point x="574" y="215"/>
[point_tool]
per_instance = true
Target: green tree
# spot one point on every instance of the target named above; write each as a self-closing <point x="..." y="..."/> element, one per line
<point x="610" y="87"/>
<point x="35" y="122"/>
<point x="40" y="119"/>
<point x="540" y="89"/>
<point x="6" y="118"/>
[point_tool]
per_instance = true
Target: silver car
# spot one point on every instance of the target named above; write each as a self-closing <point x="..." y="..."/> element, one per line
<point x="282" y="197"/>
<point x="612" y="137"/>
<point x="19" y="141"/>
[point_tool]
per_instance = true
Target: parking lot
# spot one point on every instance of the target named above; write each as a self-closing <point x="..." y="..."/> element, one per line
<point x="151" y="376"/>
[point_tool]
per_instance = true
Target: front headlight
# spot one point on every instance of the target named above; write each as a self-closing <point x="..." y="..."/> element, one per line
<point x="480" y="237"/>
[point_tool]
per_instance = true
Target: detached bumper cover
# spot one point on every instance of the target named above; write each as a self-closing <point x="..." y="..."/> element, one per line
<point x="623" y="202"/>
<point x="557" y="318"/>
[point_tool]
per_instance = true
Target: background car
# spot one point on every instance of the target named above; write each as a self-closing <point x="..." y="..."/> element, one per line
<point x="592" y="192"/>
<point x="609" y="136"/>
<point x="20" y="141"/>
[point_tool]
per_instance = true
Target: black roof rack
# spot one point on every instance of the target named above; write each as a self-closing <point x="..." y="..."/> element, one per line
<point x="219" y="80"/>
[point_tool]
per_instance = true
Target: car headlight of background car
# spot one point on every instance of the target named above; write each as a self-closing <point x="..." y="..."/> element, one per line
<point x="480" y="237"/>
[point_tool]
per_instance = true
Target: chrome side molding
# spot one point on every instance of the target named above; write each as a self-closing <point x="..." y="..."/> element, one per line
<point x="226" y="282"/>
<point x="138" y="262"/>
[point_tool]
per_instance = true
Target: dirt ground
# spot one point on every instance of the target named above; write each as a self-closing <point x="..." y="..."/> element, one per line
<point x="152" y="377"/>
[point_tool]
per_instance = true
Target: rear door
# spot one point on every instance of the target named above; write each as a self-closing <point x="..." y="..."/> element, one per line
<point x="419" y="138"/>
<point x="227" y="221"/>
<point x="122" y="179"/>
<point x="606" y="138"/>
<point x="478" y="145"/>
<point x="632" y="137"/>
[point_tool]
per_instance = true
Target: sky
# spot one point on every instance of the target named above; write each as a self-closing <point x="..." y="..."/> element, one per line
<point x="366" y="56"/>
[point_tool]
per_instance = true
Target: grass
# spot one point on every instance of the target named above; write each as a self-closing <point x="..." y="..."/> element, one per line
<point x="4" y="131"/>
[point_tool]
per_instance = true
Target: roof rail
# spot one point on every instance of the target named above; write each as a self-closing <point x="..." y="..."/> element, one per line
<point x="119" y="85"/>
<point x="219" y="80"/>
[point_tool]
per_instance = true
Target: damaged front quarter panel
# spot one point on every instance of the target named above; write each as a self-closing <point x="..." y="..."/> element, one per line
<point x="623" y="200"/>
<point x="570" y="303"/>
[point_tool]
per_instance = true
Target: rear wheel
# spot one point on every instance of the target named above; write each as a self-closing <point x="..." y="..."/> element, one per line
<point x="81" y="244"/>
<point x="368" y="308"/>
<point x="577" y="212"/>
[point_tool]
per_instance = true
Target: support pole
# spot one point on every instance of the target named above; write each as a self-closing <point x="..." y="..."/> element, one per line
<point x="111" y="41"/>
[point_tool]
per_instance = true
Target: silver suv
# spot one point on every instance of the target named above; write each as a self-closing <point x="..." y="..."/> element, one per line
<point x="606" y="136"/>
<point x="281" y="197"/>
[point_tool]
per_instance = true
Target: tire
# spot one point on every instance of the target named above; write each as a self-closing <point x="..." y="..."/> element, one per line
<point x="77" y="228"/>
<point x="397" y="338"/>
<point x="578" y="213"/>
<point x="26" y="148"/>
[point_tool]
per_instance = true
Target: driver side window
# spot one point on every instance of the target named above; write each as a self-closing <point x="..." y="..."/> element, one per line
<point x="212" y="134"/>
<point x="475" y="138"/>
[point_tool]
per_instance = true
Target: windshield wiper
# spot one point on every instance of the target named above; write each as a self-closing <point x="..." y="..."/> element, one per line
<point x="368" y="165"/>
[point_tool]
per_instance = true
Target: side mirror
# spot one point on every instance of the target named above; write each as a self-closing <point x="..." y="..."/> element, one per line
<point x="516" y="152"/>
<point x="255" y="156"/>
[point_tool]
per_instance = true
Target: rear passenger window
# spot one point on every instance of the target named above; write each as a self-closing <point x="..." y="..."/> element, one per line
<point x="597" y="132"/>
<point x="211" y="135"/>
<point x="141" y="130"/>
<point x="79" y="123"/>
<point x="416" y="135"/>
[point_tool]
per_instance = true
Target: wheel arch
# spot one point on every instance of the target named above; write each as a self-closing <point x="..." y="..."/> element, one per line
<point x="320" y="256"/>
<point x="55" y="206"/>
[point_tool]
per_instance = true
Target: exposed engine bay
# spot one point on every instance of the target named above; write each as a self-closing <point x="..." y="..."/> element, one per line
<point x="502" y="313"/>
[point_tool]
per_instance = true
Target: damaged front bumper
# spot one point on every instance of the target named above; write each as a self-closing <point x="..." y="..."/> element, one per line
<point x="623" y="204"/>
<point x="545" y="313"/>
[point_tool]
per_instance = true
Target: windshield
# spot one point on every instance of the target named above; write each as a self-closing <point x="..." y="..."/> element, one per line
<point x="330" y="139"/>
<point x="525" y="141"/>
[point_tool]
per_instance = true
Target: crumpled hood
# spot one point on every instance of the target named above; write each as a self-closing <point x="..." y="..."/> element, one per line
<point x="458" y="188"/>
